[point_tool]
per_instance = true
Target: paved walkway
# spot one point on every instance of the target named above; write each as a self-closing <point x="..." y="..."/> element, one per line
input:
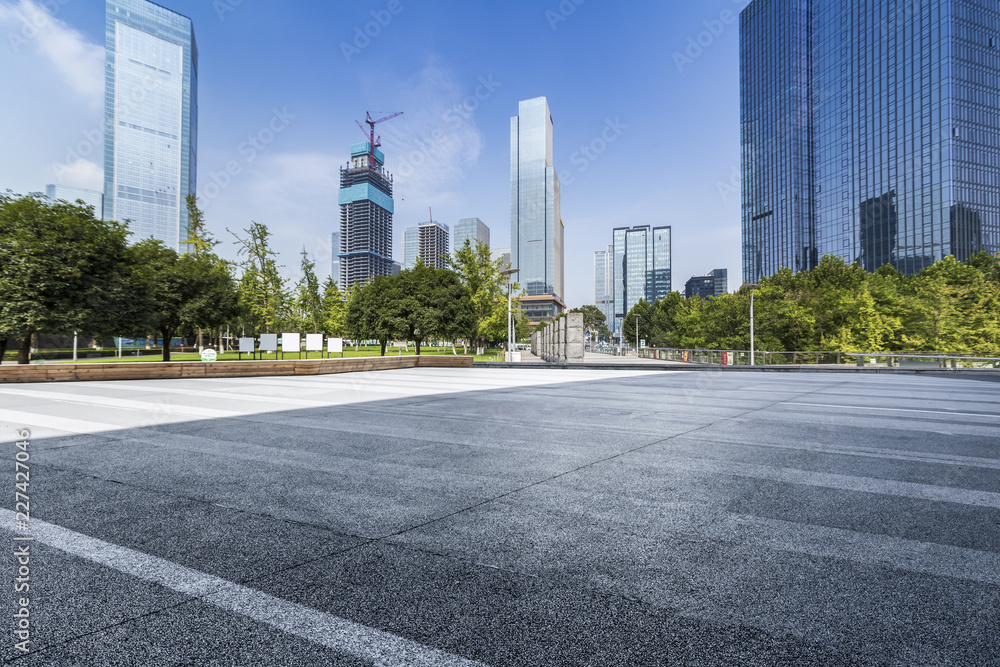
<point x="508" y="517"/>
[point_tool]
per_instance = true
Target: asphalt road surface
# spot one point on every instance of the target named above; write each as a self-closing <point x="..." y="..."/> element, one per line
<point x="504" y="517"/>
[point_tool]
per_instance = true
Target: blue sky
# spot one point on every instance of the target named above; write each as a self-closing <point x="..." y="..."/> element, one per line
<point x="660" y="79"/>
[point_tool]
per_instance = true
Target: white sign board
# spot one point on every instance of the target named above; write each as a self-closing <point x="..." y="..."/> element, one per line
<point x="247" y="345"/>
<point x="208" y="354"/>
<point x="335" y="345"/>
<point x="291" y="342"/>
<point x="269" y="342"/>
<point x="314" y="342"/>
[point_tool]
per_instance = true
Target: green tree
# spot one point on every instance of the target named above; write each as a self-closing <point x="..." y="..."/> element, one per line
<point x="307" y="296"/>
<point x="371" y="312"/>
<point x="664" y="332"/>
<point x="199" y="240"/>
<point x="593" y="318"/>
<point x="433" y="303"/>
<point x="639" y="316"/>
<point x="483" y="276"/>
<point x="262" y="292"/>
<point x="334" y="309"/>
<point x="186" y="290"/>
<point x="62" y="270"/>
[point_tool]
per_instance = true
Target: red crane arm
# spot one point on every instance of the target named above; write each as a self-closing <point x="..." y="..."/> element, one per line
<point x="381" y="120"/>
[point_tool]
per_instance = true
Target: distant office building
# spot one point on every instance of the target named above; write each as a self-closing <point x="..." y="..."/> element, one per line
<point x="603" y="284"/>
<point x="366" y="209"/>
<point x="70" y="194"/>
<point x="536" y="228"/>
<point x="503" y="254"/>
<point x="473" y="230"/>
<point x="869" y="132"/>
<point x="335" y="262"/>
<point x="395" y="268"/>
<point x="713" y="284"/>
<point x="428" y="242"/>
<point x="150" y="119"/>
<point x="640" y="268"/>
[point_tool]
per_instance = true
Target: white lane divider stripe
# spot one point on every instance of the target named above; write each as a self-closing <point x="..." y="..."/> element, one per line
<point x="865" y="407"/>
<point x="75" y="426"/>
<point x="360" y="641"/>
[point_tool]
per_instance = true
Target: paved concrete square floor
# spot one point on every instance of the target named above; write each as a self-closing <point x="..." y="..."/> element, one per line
<point x="508" y="517"/>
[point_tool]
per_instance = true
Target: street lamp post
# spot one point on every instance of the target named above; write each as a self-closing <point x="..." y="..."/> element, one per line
<point x="510" y="327"/>
<point x="752" y="286"/>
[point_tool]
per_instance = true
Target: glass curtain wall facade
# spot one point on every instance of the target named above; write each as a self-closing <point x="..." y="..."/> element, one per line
<point x="870" y="131"/>
<point x="640" y="268"/>
<point x="366" y="208"/>
<point x="151" y="119"/>
<point x="536" y="228"/>
<point x="411" y="246"/>
<point x="70" y="194"/>
<point x="473" y="230"/>
<point x="603" y="277"/>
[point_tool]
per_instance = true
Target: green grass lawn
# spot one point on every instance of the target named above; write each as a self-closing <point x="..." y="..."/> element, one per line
<point x="363" y="351"/>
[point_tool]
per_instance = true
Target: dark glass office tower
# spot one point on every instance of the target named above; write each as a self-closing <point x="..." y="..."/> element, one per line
<point x="640" y="268"/>
<point x="870" y="131"/>
<point x="366" y="209"/>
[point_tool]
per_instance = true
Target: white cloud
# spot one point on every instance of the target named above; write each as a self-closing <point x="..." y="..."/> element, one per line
<point x="437" y="141"/>
<point x="78" y="61"/>
<point x="53" y="131"/>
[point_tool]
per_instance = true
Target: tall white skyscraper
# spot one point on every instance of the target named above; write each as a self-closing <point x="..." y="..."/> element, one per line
<point x="151" y="119"/>
<point x="536" y="227"/>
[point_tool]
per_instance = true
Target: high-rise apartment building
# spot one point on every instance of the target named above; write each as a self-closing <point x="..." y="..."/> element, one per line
<point x="473" y="230"/>
<point x="604" y="284"/>
<point x="536" y="228"/>
<point x="366" y="208"/>
<point x="428" y="242"/>
<point x="870" y="131"/>
<point x="70" y="194"/>
<point x="150" y="119"/>
<point x="640" y="268"/>
<point x="713" y="284"/>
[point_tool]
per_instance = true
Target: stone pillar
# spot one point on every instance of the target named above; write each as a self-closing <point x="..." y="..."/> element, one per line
<point x="545" y="344"/>
<point x="574" y="337"/>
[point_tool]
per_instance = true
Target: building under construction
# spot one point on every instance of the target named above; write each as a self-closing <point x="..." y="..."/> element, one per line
<point x="366" y="209"/>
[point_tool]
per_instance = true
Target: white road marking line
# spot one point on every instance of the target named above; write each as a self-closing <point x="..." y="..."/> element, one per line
<point x="360" y="641"/>
<point x="124" y="403"/>
<point x="864" y="407"/>
<point x="75" y="426"/>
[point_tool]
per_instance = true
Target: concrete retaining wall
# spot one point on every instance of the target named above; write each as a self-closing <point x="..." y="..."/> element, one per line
<point x="140" y="370"/>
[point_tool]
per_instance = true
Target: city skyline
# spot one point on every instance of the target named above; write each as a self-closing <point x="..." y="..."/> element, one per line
<point x="271" y="141"/>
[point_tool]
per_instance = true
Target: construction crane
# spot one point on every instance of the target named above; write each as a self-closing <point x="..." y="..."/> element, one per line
<point x="374" y="142"/>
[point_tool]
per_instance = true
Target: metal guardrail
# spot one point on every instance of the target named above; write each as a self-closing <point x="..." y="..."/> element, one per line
<point x="815" y="357"/>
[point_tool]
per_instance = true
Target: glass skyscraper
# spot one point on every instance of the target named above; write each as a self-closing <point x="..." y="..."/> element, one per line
<point x="473" y="230"/>
<point x="870" y="131"/>
<point x="603" y="280"/>
<point x="366" y="209"/>
<point x="536" y="228"/>
<point x="712" y="284"/>
<point x="151" y="119"/>
<point x="640" y="268"/>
